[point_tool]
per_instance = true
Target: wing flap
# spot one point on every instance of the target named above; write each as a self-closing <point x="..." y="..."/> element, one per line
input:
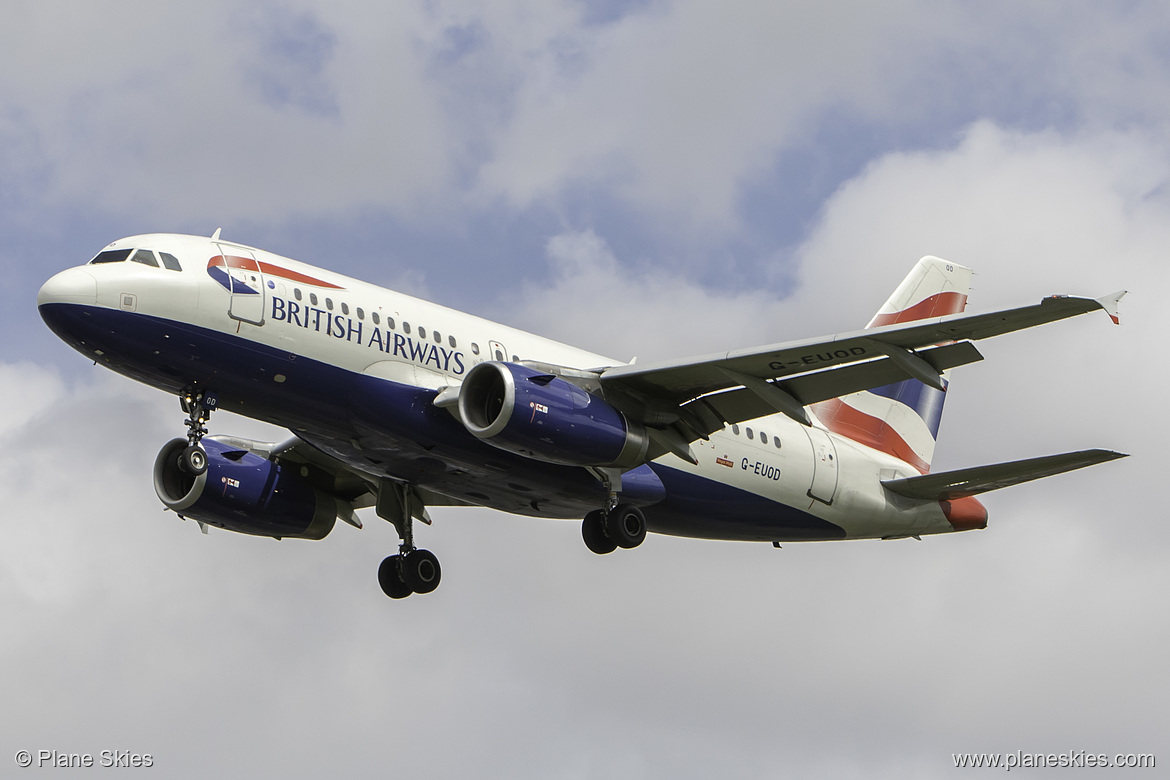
<point x="950" y="485"/>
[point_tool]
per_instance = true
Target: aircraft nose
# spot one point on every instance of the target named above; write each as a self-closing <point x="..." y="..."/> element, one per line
<point x="75" y="285"/>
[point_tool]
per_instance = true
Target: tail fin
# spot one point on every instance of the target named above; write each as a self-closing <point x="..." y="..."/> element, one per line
<point x="903" y="419"/>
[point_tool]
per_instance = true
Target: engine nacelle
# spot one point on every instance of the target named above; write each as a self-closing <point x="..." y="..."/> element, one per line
<point x="244" y="492"/>
<point x="542" y="416"/>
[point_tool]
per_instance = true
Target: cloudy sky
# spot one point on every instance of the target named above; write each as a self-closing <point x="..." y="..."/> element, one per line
<point x="645" y="178"/>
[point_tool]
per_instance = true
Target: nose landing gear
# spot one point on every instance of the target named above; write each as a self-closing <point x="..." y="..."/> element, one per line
<point x="198" y="407"/>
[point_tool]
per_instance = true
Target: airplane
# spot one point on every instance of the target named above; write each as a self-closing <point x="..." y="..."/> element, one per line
<point x="402" y="405"/>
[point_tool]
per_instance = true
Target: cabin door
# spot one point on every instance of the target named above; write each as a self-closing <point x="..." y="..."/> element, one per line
<point x="824" y="454"/>
<point x="247" y="291"/>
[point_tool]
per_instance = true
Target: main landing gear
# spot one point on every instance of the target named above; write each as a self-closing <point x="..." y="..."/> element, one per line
<point x="198" y="407"/>
<point x="412" y="570"/>
<point x="622" y="526"/>
<point x="618" y="525"/>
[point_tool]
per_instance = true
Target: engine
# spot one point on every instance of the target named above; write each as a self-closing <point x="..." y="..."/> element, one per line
<point x="544" y="417"/>
<point x="244" y="492"/>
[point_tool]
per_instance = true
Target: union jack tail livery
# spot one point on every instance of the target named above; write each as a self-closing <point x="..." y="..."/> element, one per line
<point x="902" y="419"/>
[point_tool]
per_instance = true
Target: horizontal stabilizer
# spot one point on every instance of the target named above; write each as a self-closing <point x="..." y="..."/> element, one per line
<point x="950" y="485"/>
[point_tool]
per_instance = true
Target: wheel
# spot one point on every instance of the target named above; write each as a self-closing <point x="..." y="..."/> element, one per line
<point x="390" y="578"/>
<point x="626" y="525"/>
<point x="593" y="532"/>
<point x="420" y="571"/>
<point x="193" y="460"/>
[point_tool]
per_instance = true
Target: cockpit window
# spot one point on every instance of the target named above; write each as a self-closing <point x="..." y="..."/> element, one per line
<point x="146" y="257"/>
<point x="112" y="256"/>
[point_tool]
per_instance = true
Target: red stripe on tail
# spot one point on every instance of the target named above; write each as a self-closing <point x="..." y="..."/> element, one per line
<point x="843" y="420"/>
<point x="938" y="305"/>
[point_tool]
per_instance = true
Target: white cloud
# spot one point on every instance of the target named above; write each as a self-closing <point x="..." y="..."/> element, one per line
<point x="27" y="390"/>
<point x="215" y="112"/>
<point x="426" y="112"/>
<point x="1043" y="208"/>
<point x="677" y="108"/>
<point x="593" y="301"/>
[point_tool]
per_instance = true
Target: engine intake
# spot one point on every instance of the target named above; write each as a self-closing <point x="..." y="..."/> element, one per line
<point x="243" y="492"/>
<point x="541" y="416"/>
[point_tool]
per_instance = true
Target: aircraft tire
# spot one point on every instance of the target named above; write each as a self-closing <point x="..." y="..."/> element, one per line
<point x="390" y="578"/>
<point x="593" y="532"/>
<point x="626" y="525"/>
<point x="421" y="571"/>
<point x="193" y="460"/>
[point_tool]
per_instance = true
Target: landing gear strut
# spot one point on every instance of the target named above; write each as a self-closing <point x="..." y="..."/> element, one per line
<point x="411" y="570"/>
<point x="198" y="407"/>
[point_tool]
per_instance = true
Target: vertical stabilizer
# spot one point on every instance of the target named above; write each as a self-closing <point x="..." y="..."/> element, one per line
<point x="903" y="419"/>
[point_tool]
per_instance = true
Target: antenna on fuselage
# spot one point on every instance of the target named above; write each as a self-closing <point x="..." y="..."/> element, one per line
<point x="215" y="235"/>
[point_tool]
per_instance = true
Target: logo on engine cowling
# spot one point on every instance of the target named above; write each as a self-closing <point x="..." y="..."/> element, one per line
<point x="536" y="408"/>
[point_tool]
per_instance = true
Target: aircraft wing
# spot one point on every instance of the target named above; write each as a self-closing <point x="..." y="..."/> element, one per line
<point x="950" y="485"/>
<point x="742" y="403"/>
<point x="786" y="377"/>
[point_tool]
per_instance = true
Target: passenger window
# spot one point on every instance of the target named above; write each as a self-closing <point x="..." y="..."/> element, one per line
<point x="776" y="441"/>
<point x="499" y="355"/>
<point x="422" y="332"/>
<point x="438" y="338"/>
<point x="390" y="323"/>
<point x="344" y="307"/>
<point x="763" y="438"/>
<point x="749" y="433"/>
<point x="313" y="298"/>
<point x="451" y="341"/>
<point x="374" y="316"/>
<point x="735" y="429"/>
<point x="297" y="293"/>
<point x="329" y="304"/>
<point x="361" y="314"/>
<point x="406" y="328"/>
<point x="170" y="261"/>
<point x="112" y="256"/>
<point x="474" y="348"/>
<point x="146" y="257"/>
